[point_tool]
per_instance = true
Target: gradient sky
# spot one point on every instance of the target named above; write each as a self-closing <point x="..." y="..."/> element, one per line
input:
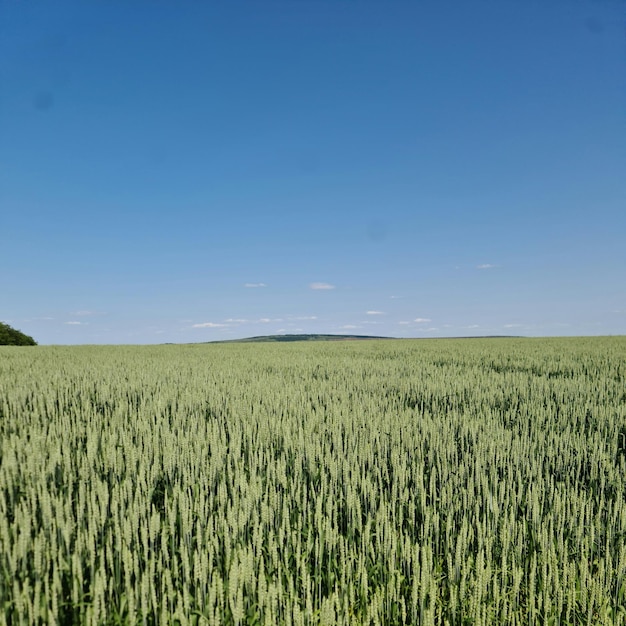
<point x="190" y="171"/>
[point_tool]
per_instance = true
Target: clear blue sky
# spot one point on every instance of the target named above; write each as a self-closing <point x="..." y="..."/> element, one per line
<point x="189" y="171"/>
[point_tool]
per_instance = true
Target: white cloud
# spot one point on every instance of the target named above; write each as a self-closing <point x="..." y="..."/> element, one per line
<point x="513" y="325"/>
<point x="474" y="326"/>
<point x="75" y="323"/>
<point x="485" y="266"/>
<point x="255" y="285"/>
<point x="85" y="313"/>
<point x="303" y="317"/>
<point x="237" y="320"/>
<point x="422" y="320"/>
<point x="404" y="323"/>
<point x="321" y="286"/>
<point x="348" y="326"/>
<point x="374" y="313"/>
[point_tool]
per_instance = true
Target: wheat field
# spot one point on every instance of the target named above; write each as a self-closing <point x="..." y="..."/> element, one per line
<point x="382" y="482"/>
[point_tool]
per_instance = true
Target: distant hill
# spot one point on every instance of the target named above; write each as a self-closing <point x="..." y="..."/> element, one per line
<point x="318" y="337"/>
<point x="11" y="337"/>
<point x="281" y="338"/>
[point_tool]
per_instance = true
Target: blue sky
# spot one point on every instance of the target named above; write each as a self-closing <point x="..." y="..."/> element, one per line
<point x="190" y="171"/>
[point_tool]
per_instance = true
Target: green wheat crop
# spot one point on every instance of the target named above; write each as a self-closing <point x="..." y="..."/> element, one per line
<point x="398" y="482"/>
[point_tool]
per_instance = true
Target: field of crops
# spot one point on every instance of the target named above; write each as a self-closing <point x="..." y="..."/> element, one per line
<point x="381" y="482"/>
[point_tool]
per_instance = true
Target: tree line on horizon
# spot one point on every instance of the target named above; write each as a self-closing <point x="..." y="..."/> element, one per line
<point x="11" y="337"/>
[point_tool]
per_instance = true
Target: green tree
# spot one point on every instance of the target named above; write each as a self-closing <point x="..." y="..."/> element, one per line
<point x="11" y="337"/>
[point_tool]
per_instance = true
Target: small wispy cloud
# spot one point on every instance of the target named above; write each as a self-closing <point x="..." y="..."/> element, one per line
<point x="321" y="286"/>
<point x="512" y="325"/>
<point x="235" y="321"/>
<point x="85" y="313"/>
<point x="302" y="317"/>
<point x="404" y="323"/>
<point x="348" y="327"/>
<point x="422" y="320"/>
<point x="374" y="312"/>
<point x="254" y="285"/>
<point x="485" y="266"/>
<point x="76" y="323"/>
<point x="473" y="326"/>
